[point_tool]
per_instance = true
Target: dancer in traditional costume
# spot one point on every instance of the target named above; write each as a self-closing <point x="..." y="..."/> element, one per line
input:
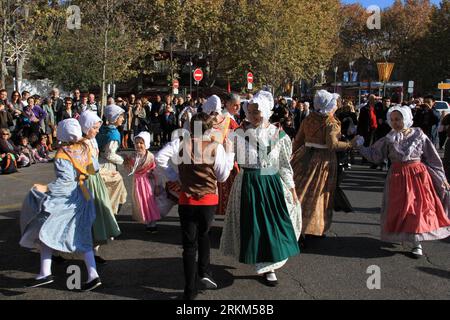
<point x="60" y="215"/>
<point x="105" y="227"/>
<point x="201" y="162"/>
<point x="314" y="163"/>
<point x="416" y="197"/>
<point x="224" y="124"/>
<point x="263" y="217"/>
<point x="108" y="142"/>
<point x="145" y="187"/>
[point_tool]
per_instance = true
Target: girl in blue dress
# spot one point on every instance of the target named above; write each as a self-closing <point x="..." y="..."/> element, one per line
<point x="59" y="216"/>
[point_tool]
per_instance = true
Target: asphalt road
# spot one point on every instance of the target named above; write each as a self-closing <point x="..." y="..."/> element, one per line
<point x="145" y="266"/>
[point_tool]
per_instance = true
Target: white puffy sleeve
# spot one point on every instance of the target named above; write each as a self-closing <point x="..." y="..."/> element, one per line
<point x="223" y="163"/>
<point x="163" y="158"/>
<point x="110" y="153"/>
<point x="285" y="169"/>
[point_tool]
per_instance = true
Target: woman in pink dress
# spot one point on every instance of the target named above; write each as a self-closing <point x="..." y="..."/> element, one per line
<point x="145" y="189"/>
<point x="416" y="196"/>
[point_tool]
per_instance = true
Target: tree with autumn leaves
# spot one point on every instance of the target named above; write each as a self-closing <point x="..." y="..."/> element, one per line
<point x="415" y="32"/>
<point x="280" y="41"/>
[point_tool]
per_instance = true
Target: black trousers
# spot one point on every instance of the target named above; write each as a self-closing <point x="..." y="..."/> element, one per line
<point x="195" y="226"/>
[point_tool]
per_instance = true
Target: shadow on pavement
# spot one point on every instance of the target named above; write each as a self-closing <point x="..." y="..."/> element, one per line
<point x="169" y="232"/>
<point x="155" y="279"/>
<point x="140" y="278"/>
<point x="435" y="272"/>
<point x="349" y="247"/>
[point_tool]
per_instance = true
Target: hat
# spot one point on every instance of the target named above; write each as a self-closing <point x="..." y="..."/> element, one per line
<point x="112" y="113"/>
<point x="144" y="135"/>
<point x="69" y="130"/>
<point x="87" y="120"/>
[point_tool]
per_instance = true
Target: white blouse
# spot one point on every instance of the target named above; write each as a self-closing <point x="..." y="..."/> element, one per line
<point x="169" y="155"/>
<point x="266" y="148"/>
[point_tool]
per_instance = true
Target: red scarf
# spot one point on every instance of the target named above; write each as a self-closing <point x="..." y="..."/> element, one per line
<point x="373" y="118"/>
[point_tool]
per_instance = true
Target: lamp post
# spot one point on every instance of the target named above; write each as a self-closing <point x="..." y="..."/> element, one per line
<point x="369" y="70"/>
<point x="335" y="78"/>
<point x="191" y="64"/>
<point x="172" y="40"/>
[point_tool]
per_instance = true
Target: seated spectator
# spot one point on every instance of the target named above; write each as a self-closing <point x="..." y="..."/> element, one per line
<point x="42" y="148"/>
<point x="10" y="153"/>
<point x="27" y="150"/>
<point x="6" y="118"/>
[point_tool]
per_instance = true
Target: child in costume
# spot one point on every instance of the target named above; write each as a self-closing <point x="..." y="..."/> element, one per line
<point x="105" y="226"/>
<point x="416" y="196"/>
<point x="108" y="143"/>
<point x="145" y="188"/>
<point x="59" y="216"/>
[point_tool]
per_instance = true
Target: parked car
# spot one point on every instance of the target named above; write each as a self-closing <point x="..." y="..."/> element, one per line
<point x="442" y="106"/>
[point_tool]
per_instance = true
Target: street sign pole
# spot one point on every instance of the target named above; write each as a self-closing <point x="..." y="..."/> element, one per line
<point x="197" y="83"/>
<point x="198" y="76"/>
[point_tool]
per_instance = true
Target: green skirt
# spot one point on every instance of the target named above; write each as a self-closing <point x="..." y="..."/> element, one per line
<point x="267" y="234"/>
<point x="105" y="226"/>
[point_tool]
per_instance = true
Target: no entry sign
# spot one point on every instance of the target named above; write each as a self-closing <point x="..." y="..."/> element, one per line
<point x="250" y="77"/>
<point x="198" y="75"/>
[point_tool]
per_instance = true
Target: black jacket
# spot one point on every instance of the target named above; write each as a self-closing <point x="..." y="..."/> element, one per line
<point x="6" y="119"/>
<point x="426" y="119"/>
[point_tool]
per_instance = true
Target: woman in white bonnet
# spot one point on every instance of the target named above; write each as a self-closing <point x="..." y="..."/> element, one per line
<point x="59" y="216"/>
<point x="105" y="226"/>
<point x="109" y="141"/>
<point x="315" y="163"/>
<point x="416" y="196"/>
<point x="263" y="215"/>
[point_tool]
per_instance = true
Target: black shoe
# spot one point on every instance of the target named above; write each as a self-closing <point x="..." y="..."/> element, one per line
<point x="208" y="282"/>
<point x="190" y="297"/>
<point x="270" y="283"/>
<point x="39" y="283"/>
<point x="58" y="259"/>
<point x="89" y="286"/>
<point x="100" y="260"/>
<point x="151" y="229"/>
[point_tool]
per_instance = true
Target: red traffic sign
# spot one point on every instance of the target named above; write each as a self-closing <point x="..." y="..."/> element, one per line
<point x="250" y="77"/>
<point x="198" y="75"/>
<point x="175" y="84"/>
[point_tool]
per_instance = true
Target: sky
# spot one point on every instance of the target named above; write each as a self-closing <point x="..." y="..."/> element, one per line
<point x="380" y="3"/>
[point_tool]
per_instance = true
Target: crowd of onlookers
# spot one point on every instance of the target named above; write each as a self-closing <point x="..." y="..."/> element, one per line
<point x="28" y="122"/>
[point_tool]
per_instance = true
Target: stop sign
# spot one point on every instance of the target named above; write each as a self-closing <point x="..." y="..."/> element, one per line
<point x="176" y="84"/>
<point x="250" y="77"/>
<point x="198" y="75"/>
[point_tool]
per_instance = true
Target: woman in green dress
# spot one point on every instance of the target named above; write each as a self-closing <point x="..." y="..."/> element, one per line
<point x="105" y="226"/>
<point x="263" y="217"/>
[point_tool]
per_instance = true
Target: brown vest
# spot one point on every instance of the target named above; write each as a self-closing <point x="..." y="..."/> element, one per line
<point x="198" y="179"/>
